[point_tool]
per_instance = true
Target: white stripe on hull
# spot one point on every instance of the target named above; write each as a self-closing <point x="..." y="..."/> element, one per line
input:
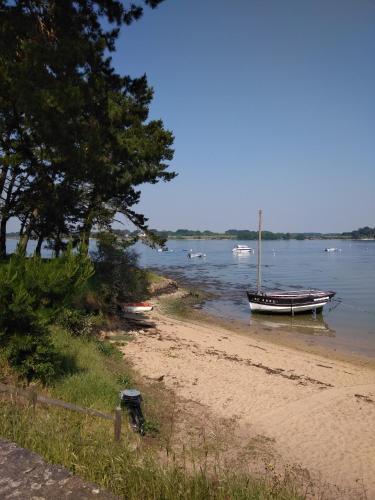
<point x="137" y="309"/>
<point x="286" y="309"/>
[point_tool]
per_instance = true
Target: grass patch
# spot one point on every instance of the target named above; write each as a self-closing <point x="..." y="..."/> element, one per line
<point x="153" y="277"/>
<point x="132" y="468"/>
<point x="84" y="445"/>
<point x="88" y="376"/>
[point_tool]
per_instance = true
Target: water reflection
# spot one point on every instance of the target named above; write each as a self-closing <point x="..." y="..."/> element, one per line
<point x="307" y="325"/>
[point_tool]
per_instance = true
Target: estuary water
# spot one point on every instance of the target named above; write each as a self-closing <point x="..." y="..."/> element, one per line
<point x="347" y="322"/>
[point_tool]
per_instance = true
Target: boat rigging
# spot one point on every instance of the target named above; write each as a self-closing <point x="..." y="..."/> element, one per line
<point x="284" y="302"/>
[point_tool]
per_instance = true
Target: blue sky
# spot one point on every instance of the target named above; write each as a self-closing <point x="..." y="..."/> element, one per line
<point x="272" y="104"/>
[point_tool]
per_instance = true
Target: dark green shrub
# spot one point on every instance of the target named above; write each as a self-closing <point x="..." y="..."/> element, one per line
<point x="54" y="283"/>
<point x="76" y="322"/>
<point x="33" y="356"/>
<point x="32" y="292"/>
<point x="117" y="275"/>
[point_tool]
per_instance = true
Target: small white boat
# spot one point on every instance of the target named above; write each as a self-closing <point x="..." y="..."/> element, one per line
<point x="242" y="249"/>
<point x="193" y="255"/>
<point x="137" y="307"/>
<point x="332" y="249"/>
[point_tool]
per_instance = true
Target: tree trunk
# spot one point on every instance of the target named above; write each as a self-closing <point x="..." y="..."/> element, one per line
<point x="3" y="176"/>
<point x="3" y="237"/>
<point x="5" y="209"/>
<point x="58" y="245"/>
<point x="85" y="235"/>
<point x="38" y="248"/>
<point x="86" y="229"/>
<point x="23" y="241"/>
<point x="25" y="236"/>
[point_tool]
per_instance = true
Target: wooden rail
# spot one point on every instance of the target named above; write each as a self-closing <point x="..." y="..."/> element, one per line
<point x="35" y="398"/>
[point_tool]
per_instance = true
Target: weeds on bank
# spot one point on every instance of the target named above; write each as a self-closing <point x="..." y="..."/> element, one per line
<point x="128" y="469"/>
<point x="182" y="307"/>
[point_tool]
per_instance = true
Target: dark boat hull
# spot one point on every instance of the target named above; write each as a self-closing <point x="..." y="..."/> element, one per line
<point x="291" y="302"/>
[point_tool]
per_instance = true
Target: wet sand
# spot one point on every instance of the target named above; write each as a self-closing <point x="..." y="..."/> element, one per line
<point x="317" y="409"/>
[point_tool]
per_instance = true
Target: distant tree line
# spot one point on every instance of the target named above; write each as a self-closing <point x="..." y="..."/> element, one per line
<point x="362" y="232"/>
<point x="245" y="234"/>
<point x="234" y="234"/>
<point x="230" y="234"/>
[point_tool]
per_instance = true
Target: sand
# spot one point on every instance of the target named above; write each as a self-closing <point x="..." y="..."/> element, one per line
<point x="318" y="412"/>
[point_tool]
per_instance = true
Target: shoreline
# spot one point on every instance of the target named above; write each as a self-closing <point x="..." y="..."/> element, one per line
<point x="282" y="336"/>
<point x="297" y="332"/>
<point x="309" y="409"/>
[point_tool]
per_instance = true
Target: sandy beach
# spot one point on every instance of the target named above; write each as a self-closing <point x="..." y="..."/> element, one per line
<point x="310" y="410"/>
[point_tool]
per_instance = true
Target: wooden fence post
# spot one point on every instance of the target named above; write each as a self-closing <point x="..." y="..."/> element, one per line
<point x="117" y="423"/>
<point x="33" y="399"/>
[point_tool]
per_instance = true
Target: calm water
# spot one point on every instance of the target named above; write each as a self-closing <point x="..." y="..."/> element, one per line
<point x="347" y="322"/>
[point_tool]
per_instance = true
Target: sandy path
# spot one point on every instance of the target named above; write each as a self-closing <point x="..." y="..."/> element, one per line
<point x="319" y="412"/>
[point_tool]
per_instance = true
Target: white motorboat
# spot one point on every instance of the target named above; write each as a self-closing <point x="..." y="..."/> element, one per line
<point x="332" y="249"/>
<point x="242" y="249"/>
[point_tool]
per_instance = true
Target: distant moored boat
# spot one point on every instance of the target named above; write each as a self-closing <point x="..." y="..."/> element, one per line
<point x="242" y="249"/>
<point x="193" y="255"/>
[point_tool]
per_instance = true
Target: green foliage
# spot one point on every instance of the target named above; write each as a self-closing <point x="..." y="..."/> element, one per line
<point x="117" y="276"/>
<point x="125" y="380"/>
<point x="106" y="348"/>
<point x="31" y="294"/>
<point x="76" y="137"/>
<point x="43" y="285"/>
<point x="33" y="356"/>
<point x="151" y="427"/>
<point x="236" y="234"/>
<point x="88" y="378"/>
<point x="132" y="472"/>
<point x="76" y="322"/>
<point x="129" y="469"/>
<point x="363" y="232"/>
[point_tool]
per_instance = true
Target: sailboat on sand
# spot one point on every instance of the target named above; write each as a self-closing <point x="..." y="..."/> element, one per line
<point x="284" y="302"/>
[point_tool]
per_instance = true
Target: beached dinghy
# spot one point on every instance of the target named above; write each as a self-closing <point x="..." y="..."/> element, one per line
<point x="137" y="307"/>
<point x="288" y="302"/>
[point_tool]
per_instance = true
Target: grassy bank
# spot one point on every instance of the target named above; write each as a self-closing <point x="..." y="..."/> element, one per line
<point x="94" y="372"/>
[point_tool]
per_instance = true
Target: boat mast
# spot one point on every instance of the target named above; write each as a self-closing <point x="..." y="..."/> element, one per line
<point x="259" y="275"/>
